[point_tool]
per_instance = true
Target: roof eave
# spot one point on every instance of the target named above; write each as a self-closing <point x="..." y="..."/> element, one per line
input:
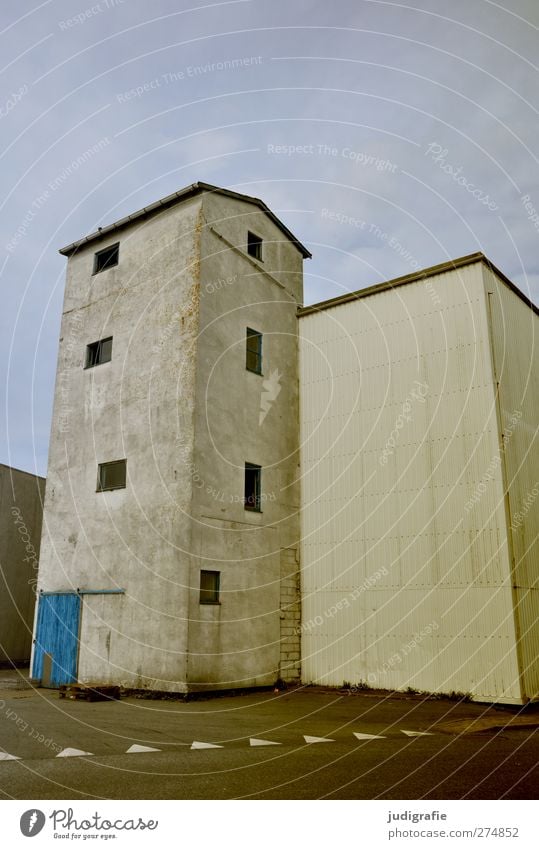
<point x="170" y="200"/>
<point x="441" y="268"/>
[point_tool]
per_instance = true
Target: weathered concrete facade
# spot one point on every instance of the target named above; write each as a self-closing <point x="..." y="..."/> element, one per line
<point x="21" y="514"/>
<point x="238" y="643"/>
<point x="178" y="404"/>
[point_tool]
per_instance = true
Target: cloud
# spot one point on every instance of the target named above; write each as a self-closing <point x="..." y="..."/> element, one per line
<point x="354" y="85"/>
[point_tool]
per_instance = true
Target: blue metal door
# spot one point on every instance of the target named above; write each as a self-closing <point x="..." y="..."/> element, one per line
<point x="57" y="639"/>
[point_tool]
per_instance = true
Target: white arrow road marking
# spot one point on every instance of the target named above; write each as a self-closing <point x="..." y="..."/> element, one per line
<point x="368" y="736"/>
<point x="5" y="757"/>
<point x="72" y="753"/>
<point x="417" y="733"/>
<point x="253" y="741"/>
<point x="317" y="739"/>
<point x="198" y="745"/>
<point x="136" y="748"/>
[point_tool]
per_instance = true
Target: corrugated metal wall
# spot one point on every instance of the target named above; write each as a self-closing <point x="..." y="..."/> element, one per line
<point x="404" y="557"/>
<point x="516" y="343"/>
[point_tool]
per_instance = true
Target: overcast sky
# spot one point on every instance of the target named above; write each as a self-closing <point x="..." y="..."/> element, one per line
<point x="387" y="135"/>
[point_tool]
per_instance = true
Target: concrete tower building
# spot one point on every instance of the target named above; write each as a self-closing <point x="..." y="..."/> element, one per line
<point x="170" y="551"/>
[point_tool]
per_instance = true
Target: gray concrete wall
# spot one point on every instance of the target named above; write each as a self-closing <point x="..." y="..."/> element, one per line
<point x="238" y="643"/>
<point x="21" y="512"/>
<point x="139" y="406"/>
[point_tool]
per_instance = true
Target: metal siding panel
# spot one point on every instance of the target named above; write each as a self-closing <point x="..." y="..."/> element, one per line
<point x="515" y="330"/>
<point x="422" y="582"/>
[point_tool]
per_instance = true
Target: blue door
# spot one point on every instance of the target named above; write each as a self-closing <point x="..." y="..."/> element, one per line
<point x="57" y="639"/>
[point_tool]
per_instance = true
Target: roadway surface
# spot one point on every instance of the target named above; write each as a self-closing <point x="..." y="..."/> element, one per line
<point x="300" y="744"/>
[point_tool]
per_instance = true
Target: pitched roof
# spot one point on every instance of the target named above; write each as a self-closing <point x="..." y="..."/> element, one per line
<point x="423" y="273"/>
<point x="177" y="197"/>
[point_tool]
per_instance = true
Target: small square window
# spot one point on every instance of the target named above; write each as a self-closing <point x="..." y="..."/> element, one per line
<point x="209" y="587"/>
<point x="98" y="352"/>
<point x="253" y="351"/>
<point x="111" y="475"/>
<point x="254" y="246"/>
<point x="253" y="476"/>
<point x="106" y="258"/>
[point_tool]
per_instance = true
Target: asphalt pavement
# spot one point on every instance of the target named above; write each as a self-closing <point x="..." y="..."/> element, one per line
<point x="306" y="743"/>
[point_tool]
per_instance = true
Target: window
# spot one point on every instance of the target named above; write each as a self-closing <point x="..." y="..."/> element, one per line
<point x="111" y="475"/>
<point x="106" y="258"/>
<point x="99" y="352"/>
<point x="254" y="246"/>
<point x="253" y="351"/>
<point x="253" y="474"/>
<point x="209" y="587"/>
